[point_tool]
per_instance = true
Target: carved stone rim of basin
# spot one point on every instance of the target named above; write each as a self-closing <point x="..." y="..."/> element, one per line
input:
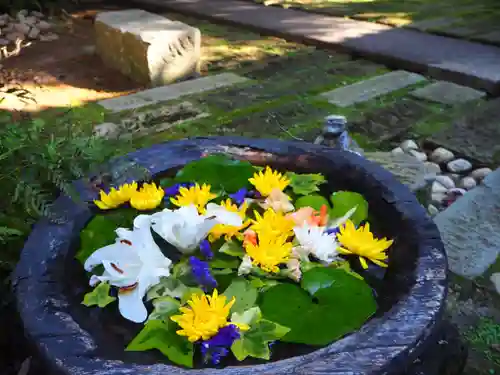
<point x="412" y="292"/>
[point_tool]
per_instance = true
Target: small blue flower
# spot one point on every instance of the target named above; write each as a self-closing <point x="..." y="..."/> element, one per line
<point x="215" y="348"/>
<point x="239" y="196"/>
<point x="202" y="274"/>
<point x="206" y="249"/>
<point x="333" y="230"/>
<point x="174" y="189"/>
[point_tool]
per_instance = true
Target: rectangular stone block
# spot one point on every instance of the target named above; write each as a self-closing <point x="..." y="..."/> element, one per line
<point x="170" y="92"/>
<point x="470" y="229"/>
<point x="447" y="93"/>
<point x="149" y="48"/>
<point x="372" y="88"/>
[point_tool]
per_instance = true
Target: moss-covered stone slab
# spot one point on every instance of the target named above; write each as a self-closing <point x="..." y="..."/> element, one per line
<point x="147" y="47"/>
<point x="170" y="92"/>
<point x="372" y="88"/>
<point x="385" y="123"/>
<point x="447" y="93"/>
<point x="474" y="134"/>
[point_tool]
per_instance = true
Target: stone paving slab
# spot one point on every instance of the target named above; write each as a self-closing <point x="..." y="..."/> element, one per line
<point x="170" y="92"/>
<point x="470" y="229"/>
<point x="475" y="134"/>
<point x="371" y="88"/>
<point x="447" y="93"/>
<point x="464" y="62"/>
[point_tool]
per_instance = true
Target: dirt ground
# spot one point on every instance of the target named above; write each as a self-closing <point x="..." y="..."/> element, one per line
<point x="63" y="72"/>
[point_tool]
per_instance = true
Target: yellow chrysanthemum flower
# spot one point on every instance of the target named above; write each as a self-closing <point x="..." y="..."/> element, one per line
<point x="116" y="197"/>
<point x="197" y="195"/>
<point x="270" y="251"/>
<point x="361" y="242"/>
<point x="266" y="182"/>
<point x="230" y="231"/>
<point x="204" y="316"/>
<point x="148" y="197"/>
<point x="276" y="223"/>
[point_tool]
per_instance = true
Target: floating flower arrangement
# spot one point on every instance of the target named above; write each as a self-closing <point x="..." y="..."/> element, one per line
<point x="226" y="259"/>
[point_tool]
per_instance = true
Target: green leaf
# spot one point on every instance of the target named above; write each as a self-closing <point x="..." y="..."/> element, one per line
<point x="342" y="303"/>
<point x="100" y="231"/>
<point x="166" y="182"/>
<point x="262" y="284"/>
<point x="249" y="317"/>
<point x="305" y="184"/>
<point x="219" y="171"/>
<point x="315" y="201"/>
<point x="162" y="335"/>
<point x="189" y="293"/>
<point x="232" y="248"/>
<point x="224" y="263"/>
<point x="255" y="342"/>
<point x="343" y="201"/>
<point x="224" y="271"/>
<point x="244" y="293"/>
<point x="164" y="308"/>
<point x="99" y="296"/>
<point x="168" y="286"/>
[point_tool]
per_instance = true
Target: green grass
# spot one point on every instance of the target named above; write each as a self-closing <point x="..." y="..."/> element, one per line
<point x="484" y="337"/>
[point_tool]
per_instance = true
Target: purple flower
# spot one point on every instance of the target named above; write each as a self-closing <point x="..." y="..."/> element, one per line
<point x="215" y="348"/>
<point x="174" y="189"/>
<point x="239" y="196"/>
<point x="206" y="250"/>
<point x="202" y="274"/>
<point x="333" y="230"/>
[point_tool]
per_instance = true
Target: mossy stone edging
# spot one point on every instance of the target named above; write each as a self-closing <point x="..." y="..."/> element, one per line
<point x="412" y="297"/>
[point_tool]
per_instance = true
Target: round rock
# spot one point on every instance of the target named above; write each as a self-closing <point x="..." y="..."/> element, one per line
<point x="495" y="279"/>
<point x="3" y="42"/>
<point x="432" y="210"/>
<point x="441" y="155"/>
<point x="22" y="28"/>
<point x="459" y="166"/>
<point x="417" y="154"/>
<point x="432" y="168"/>
<point x="43" y="25"/>
<point x="438" y="187"/>
<point x="15" y="36"/>
<point x="34" y="33"/>
<point x="446" y="181"/>
<point x="480" y="173"/>
<point x="467" y="183"/>
<point x="409" y="144"/>
<point x="397" y="151"/>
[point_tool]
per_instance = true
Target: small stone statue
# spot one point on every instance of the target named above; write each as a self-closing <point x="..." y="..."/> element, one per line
<point x="335" y="135"/>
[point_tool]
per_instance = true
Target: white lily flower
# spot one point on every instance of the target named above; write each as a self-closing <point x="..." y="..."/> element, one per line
<point x="278" y="201"/>
<point x="223" y="215"/>
<point x="317" y="241"/>
<point x="245" y="266"/>
<point x="134" y="263"/>
<point x="185" y="227"/>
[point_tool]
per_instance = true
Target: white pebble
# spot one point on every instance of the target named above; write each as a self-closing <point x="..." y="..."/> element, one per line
<point x="37" y="14"/>
<point x="30" y="21"/>
<point x="459" y="166"/>
<point x="495" y="279"/>
<point x="22" y="28"/>
<point x="432" y="168"/>
<point x="441" y="155"/>
<point x="397" y="151"/>
<point x="419" y="155"/>
<point x="3" y="42"/>
<point x="14" y="36"/>
<point x="34" y="33"/>
<point x="49" y="37"/>
<point x="432" y="210"/>
<point x="438" y="198"/>
<point x="22" y="13"/>
<point x="480" y="173"/>
<point x="43" y="25"/>
<point x="437" y="187"/>
<point x="467" y="183"/>
<point x="409" y="144"/>
<point x="446" y="181"/>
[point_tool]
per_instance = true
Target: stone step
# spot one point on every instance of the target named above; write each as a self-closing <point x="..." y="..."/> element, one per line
<point x="371" y="88"/>
<point x="165" y="93"/>
<point x="470" y="229"/>
<point x="463" y="62"/>
<point x="447" y="93"/>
